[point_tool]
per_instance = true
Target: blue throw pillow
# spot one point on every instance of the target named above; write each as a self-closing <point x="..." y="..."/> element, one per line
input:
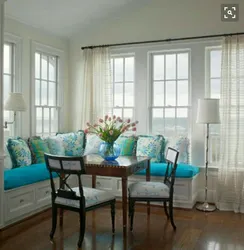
<point x="19" y="152"/>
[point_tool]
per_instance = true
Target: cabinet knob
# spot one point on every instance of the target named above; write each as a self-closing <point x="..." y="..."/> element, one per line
<point x="98" y="183"/>
<point x="47" y="192"/>
<point x="22" y="200"/>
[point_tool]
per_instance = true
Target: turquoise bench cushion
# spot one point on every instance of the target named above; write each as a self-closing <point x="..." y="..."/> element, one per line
<point x="22" y="176"/>
<point x="183" y="170"/>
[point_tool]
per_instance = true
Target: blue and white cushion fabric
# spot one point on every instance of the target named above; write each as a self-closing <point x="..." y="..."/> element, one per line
<point x="93" y="197"/>
<point x="151" y="146"/>
<point x="148" y="189"/>
<point x="92" y="144"/>
<point x="182" y="145"/>
<point x="73" y="143"/>
<point x="19" y="152"/>
<point x="55" y="145"/>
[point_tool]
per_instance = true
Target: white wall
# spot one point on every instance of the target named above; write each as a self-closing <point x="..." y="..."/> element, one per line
<point x="27" y="34"/>
<point x="156" y="20"/>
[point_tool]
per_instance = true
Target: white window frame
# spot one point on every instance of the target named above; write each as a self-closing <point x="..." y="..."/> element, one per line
<point x="41" y="48"/>
<point x="213" y="139"/>
<point x="16" y="76"/>
<point x="123" y="55"/>
<point x="188" y="107"/>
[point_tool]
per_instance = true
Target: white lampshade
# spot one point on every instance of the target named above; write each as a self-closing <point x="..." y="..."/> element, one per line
<point x="208" y="111"/>
<point x="15" y="102"/>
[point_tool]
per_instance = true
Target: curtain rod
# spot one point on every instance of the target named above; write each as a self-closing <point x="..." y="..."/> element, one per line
<point x="160" y="41"/>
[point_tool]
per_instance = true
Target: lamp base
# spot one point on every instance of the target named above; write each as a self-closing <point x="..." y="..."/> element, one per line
<point x="206" y="207"/>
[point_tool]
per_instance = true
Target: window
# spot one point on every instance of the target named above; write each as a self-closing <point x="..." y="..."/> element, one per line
<point x="170" y="79"/>
<point x="46" y="94"/>
<point x="213" y="88"/>
<point x="8" y="81"/>
<point x="123" y="86"/>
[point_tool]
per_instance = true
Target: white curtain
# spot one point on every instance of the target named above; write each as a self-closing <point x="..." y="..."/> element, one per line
<point x="230" y="192"/>
<point x="96" y="91"/>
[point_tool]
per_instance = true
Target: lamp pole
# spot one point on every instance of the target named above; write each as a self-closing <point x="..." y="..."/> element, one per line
<point x="206" y="207"/>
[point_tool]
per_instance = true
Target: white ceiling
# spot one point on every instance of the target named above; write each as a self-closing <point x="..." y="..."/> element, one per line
<point x="63" y="17"/>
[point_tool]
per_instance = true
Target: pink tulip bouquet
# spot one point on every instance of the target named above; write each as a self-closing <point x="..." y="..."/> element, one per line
<point x="110" y="128"/>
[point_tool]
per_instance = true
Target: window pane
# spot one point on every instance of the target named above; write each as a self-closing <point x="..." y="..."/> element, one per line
<point x="129" y="69"/>
<point x="118" y="68"/>
<point x="52" y="68"/>
<point x="182" y="66"/>
<point x="215" y="88"/>
<point x="117" y="112"/>
<point x="112" y="69"/>
<point x="46" y="120"/>
<point x="44" y="93"/>
<point x="44" y="67"/>
<point x="54" y="120"/>
<point x="158" y="94"/>
<point x="7" y="86"/>
<point x="169" y="122"/>
<point x="128" y="113"/>
<point x="215" y="63"/>
<point x="37" y="65"/>
<point x="7" y="59"/>
<point x="182" y="98"/>
<point x="170" y="93"/>
<point x="37" y="92"/>
<point x="158" y="67"/>
<point x="182" y="121"/>
<point x="170" y="66"/>
<point x="38" y="120"/>
<point x="118" y="94"/>
<point x="52" y="93"/>
<point x="158" y="121"/>
<point x="129" y="94"/>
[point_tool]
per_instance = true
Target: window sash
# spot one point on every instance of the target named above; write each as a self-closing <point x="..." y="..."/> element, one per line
<point x="164" y="81"/>
<point x="44" y="105"/>
<point x="115" y="82"/>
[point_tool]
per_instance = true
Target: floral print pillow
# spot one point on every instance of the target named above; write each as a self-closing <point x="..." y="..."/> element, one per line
<point x="55" y="145"/>
<point x="151" y="146"/>
<point x="92" y="144"/>
<point x="19" y="152"/>
<point x="73" y="143"/>
<point x="181" y="144"/>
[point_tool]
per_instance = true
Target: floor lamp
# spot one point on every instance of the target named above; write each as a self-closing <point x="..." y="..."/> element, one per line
<point x="207" y="113"/>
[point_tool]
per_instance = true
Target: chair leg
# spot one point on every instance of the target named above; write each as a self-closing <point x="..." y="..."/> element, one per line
<point x="166" y="210"/>
<point x="171" y="214"/>
<point x="54" y="220"/>
<point x="82" y="227"/>
<point x="131" y="212"/>
<point x="113" y="216"/>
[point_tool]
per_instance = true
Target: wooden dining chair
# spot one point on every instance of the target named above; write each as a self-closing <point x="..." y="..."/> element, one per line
<point x="156" y="191"/>
<point x="79" y="199"/>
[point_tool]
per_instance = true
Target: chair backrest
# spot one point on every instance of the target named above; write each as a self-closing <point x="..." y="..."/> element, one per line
<point x="171" y="159"/>
<point x="65" y="166"/>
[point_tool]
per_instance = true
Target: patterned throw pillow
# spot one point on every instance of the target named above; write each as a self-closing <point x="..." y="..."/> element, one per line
<point x="73" y="143"/>
<point x="182" y="145"/>
<point x="19" y="152"/>
<point x="92" y="144"/>
<point x="127" y="145"/>
<point x="151" y="146"/>
<point x="55" y="145"/>
<point x="38" y="147"/>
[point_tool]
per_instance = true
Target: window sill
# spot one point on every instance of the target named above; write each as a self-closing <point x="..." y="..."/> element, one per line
<point x="214" y="168"/>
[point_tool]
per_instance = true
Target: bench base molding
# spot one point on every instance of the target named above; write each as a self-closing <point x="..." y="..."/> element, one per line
<point x="22" y="202"/>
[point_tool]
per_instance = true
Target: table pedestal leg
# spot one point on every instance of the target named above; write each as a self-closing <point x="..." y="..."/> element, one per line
<point x="124" y="203"/>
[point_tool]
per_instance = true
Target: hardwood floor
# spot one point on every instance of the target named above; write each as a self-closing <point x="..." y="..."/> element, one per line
<point x="195" y="230"/>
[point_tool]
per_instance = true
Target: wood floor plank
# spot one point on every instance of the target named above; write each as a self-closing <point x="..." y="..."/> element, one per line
<point x="195" y="231"/>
